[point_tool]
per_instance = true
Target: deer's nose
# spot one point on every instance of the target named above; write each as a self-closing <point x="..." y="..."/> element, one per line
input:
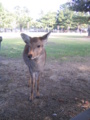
<point x="30" y="56"/>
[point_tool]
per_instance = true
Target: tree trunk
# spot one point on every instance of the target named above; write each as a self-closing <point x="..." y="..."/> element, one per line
<point x="89" y="30"/>
<point x="20" y="27"/>
<point x="58" y="28"/>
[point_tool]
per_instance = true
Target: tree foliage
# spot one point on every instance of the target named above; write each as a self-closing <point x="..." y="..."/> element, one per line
<point x="19" y="19"/>
<point x="23" y="18"/>
<point x="6" y="18"/>
<point x="80" y="5"/>
<point x="48" y="20"/>
<point x="64" y="17"/>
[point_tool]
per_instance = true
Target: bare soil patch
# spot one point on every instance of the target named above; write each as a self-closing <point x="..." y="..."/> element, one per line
<point x="64" y="88"/>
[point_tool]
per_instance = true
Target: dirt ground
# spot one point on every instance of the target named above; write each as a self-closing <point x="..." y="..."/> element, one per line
<point x="64" y="89"/>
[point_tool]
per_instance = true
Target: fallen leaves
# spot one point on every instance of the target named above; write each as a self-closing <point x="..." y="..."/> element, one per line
<point x="83" y="103"/>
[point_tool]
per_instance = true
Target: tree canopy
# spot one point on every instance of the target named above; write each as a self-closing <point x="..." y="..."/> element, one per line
<point x="48" y="20"/>
<point x="80" y="5"/>
<point x="63" y="19"/>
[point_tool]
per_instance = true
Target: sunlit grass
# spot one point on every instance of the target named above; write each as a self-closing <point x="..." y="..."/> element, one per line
<point x="71" y="47"/>
<point x="57" y="47"/>
<point x="12" y="48"/>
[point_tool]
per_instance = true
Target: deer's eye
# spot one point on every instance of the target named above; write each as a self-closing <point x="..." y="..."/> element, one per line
<point x="38" y="46"/>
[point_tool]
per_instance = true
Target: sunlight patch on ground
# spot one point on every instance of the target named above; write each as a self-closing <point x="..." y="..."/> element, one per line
<point x="84" y="68"/>
<point x="53" y="35"/>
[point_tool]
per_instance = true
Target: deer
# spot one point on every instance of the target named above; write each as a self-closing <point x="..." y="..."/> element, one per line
<point x="34" y="56"/>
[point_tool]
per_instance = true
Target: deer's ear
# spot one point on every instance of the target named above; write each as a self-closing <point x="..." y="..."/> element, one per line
<point x="45" y="37"/>
<point x="26" y="38"/>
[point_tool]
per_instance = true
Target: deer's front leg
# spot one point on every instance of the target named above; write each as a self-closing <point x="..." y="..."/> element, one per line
<point x="32" y="86"/>
<point x="37" y="91"/>
<point x="29" y="82"/>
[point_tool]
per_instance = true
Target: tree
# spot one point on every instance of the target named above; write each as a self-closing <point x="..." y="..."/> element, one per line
<point x="6" y="18"/>
<point x="1" y="14"/>
<point x="23" y="18"/>
<point x="20" y="18"/>
<point x="81" y="6"/>
<point x="48" y="20"/>
<point x="64" y="18"/>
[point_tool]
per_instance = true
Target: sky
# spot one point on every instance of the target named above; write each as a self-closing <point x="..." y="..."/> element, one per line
<point x="34" y="6"/>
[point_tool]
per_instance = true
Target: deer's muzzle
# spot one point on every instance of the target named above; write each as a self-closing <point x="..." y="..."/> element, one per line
<point x="30" y="56"/>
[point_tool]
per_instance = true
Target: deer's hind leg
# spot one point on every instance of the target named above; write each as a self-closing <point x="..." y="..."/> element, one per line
<point x="32" y="86"/>
<point x="37" y="89"/>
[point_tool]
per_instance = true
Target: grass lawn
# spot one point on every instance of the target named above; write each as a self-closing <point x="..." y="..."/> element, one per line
<point x="57" y="47"/>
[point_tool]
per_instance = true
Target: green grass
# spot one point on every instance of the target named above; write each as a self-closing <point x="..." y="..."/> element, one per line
<point x="57" y="47"/>
<point x="68" y="47"/>
<point x="12" y="48"/>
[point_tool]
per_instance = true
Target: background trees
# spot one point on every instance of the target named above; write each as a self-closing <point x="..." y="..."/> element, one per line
<point x="81" y="6"/>
<point x="6" y="19"/>
<point x="1" y="14"/>
<point x="65" y="19"/>
<point x="23" y="18"/>
<point x="48" y="20"/>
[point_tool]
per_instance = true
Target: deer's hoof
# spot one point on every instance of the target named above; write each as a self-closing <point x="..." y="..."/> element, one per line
<point x="37" y="97"/>
<point x="30" y="100"/>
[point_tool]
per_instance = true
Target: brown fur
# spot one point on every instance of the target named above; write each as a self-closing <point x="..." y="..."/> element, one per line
<point x="35" y="57"/>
